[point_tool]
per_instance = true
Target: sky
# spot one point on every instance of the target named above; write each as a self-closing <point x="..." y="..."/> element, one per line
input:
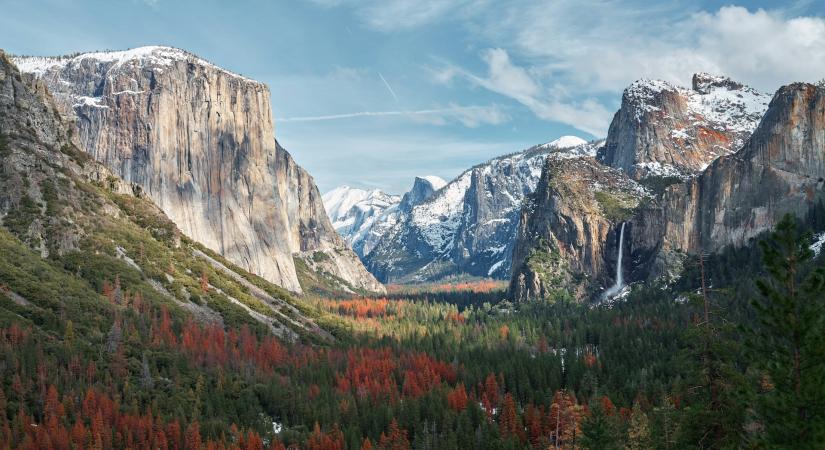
<point x="370" y="93"/>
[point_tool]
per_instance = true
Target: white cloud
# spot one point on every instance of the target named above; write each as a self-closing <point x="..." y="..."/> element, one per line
<point x="561" y="56"/>
<point x="764" y="48"/>
<point x="604" y="45"/>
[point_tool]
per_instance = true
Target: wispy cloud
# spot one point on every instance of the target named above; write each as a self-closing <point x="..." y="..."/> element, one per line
<point x="470" y="116"/>
<point x="390" y="15"/>
<point x="393" y="158"/>
<point x="389" y="88"/>
<point x="516" y="82"/>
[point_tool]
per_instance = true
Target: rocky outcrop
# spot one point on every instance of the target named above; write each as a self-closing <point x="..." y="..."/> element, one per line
<point x="423" y="188"/>
<point x="32" y="165"/>
<point x="199" y="141"/>
<point x="469" y="225"/>
<point x="568" y="229"/>
<point x="779" y="170"/>
<point x="670" y="131"/>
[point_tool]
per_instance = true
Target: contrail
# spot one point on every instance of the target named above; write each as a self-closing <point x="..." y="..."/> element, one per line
<point x="389" y="88"/>
<point x="369" y="114"/>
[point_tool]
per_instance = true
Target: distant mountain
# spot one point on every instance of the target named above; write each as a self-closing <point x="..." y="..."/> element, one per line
<point x="667" y="130"/>
<point x="199" y="141"/>
<point x="423" y="188"/>
<point x="467" y="226"/>
<point x="355" y="212"/>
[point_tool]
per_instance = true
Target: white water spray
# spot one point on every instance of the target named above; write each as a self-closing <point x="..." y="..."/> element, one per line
<point x="619" y="285"/>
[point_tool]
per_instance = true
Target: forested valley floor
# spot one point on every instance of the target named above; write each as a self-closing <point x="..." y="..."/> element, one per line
<point x="739" y="364"/>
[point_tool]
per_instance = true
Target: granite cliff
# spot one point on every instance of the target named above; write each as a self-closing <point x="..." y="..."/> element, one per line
<point x="678" y="181"/>
<point x="199" y="141"/>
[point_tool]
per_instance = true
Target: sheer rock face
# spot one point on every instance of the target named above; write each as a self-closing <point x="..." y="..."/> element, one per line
<point x="568" y="230"/>
<point x="199" y="141"/>
<point x="667" y="130"/>
<point x="423" y="188"/>
<point x="779" y="170"/>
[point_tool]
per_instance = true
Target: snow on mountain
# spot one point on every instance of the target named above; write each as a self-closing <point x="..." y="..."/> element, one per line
<point x="468" y="226"/>
<point x="712" y="100"/>
<point x="435" y="181"/>
<point x="340" y="200"/>
<point x="154" y="55"/>
<point x="354" y="212"/>
<point x="817" y="243"/>
<point x="565" y="142"/>
<point x="666" y="130"/>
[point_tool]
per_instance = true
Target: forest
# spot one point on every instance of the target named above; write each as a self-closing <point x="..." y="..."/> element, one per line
<point x="731" y="356"/>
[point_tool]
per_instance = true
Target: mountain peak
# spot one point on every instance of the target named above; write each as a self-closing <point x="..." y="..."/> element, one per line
<point x="565" y="142"/>
<point x="704" y="82"/>
<point x="668" y="130"/>
<point x="435" y="181"/>
<point x="423" y="188"/>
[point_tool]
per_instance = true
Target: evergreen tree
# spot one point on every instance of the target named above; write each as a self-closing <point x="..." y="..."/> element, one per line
<point x="638" y="433"/>
<point x="714" y="414"/>
<point x="601" y="428"/>
<point x="787" y="345"/>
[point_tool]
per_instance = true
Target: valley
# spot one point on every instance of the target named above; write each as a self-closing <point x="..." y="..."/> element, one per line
<point x="171" y="278"/>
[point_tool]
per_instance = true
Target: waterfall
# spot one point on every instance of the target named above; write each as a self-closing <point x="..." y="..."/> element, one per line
<point x="617" y="287"/>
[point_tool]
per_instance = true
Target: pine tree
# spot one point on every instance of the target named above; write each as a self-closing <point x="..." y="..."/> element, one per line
<point x="788" y="344"/>
<point x="600" y="430"/>
<point x="508" y="421"/>
<point x="193" y="437"/>
<point x="638" y="434"/>
<point x="395" y="439"/>
<point x="714" y="414"/>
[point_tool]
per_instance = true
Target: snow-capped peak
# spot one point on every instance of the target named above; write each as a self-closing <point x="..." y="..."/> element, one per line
<point x="151" y="55"/>
<point x="435" y="181"/>
<point x="565" y="142"/>
<point x="341" y="199"/>
<point x="713" y="100"/>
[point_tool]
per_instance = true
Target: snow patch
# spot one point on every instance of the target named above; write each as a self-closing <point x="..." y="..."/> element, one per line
<point x="818" y="242"/>
<point x="435" y="181"/>
<point x="94" y="102"/>
<point x="565" y="142"/>
<point x="153" y="55"/>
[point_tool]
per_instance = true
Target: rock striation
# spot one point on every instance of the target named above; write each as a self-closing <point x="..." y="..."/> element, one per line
<point x="199" y="141"/>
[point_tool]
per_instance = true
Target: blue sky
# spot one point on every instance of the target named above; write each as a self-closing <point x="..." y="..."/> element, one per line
<point x="371" y="93"/>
